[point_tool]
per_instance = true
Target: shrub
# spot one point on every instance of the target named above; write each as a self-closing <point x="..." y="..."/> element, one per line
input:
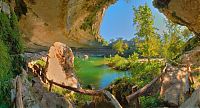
<point x="151" y="101"/>
<point x="10" y="59"/>
<point x="5" y="75"/>
<point x="143" y="73"/>
<point x="118" y="62"/>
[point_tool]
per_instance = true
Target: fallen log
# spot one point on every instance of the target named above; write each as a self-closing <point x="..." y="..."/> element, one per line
<point x="146" y="87"/>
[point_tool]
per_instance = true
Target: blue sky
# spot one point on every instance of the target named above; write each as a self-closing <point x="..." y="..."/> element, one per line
<point x="118" y="19"/>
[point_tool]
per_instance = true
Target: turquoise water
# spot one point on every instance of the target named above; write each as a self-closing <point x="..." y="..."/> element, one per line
<point x="94" y="72"/>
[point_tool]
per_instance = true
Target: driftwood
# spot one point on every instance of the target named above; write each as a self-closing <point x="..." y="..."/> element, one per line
<point x="112" y="99"/>
<point x="146" y="87"/>
<point x="19" y="102"/>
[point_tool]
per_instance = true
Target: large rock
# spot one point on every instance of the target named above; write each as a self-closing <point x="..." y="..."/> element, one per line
<point x="193" y="101"/>
<point x="192" y="56"/>
<point x="174" y="86"/>
<point x="60" y="65"/>
<point x="74" y="22"/>
<point x="184" y="12"/>
<point x="35" y="95"/>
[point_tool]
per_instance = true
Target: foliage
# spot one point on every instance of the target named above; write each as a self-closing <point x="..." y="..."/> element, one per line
<point x="174" y="40"/>
<point x="118" y="62"/>
<point x="5" y="75"/>
<point x="81" y="99"/>
<point x="41" y="63"/>
<point x="143" y="73"/>
<point x="10" y="59"/>
<point x="105" y="43"/>
<point x="59" y="90"/>
<point x="147" y="41"/>
<point x="120" y="46"/>
<point x="134" y="57"/>
<point x="77" y="61"/>
<point x="150" y="101"/>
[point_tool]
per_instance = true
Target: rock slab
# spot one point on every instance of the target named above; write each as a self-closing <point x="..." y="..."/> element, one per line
<point x="60" y="65"/>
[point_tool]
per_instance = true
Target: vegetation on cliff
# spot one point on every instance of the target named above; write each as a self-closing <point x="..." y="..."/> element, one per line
<point x="91" y="18"/>
<point x="10" y="60"/>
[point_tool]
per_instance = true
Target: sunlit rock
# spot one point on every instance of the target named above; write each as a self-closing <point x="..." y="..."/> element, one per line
<point x="60" y="65"/>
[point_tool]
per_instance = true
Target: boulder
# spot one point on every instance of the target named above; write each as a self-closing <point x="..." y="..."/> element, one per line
<point x="183" y="12"/>
<point x="60" y="65"/>
<point x="193" y="101"/>
<point x="174" y="86"/>
<point x="192" y="57"/>
<point x="85" y="57"/>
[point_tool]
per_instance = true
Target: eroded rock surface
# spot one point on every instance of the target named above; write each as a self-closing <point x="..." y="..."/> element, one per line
<point x="74" y="22"/>
<point x="193" y="55"/>
<point x="175" y="86"/>
<point x="193" y="101"/>
<point x="184" y="12"/>
<point x="35" y="95"/>
<point x="60" y="65"/>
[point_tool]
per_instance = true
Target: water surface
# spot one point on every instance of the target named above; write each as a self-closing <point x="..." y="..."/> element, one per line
<point x="95" y="72"/>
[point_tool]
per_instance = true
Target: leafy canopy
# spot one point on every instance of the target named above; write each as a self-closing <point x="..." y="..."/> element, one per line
<point x="147" y="40"/>
<point x="120" y="46"/>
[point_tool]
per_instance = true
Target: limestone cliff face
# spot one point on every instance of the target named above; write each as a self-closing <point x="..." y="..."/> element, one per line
<point x="184" y="12"/>
<point x="73" y="22"/>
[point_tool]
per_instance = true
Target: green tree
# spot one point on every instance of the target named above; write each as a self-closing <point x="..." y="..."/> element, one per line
<point x="174" y="40"/>
<point x="120" y="46"/>
<point x="147" y="40"/>
<point x="105" y="43"/>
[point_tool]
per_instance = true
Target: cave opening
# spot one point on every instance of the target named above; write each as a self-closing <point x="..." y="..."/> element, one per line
<point x="118" y="23"/>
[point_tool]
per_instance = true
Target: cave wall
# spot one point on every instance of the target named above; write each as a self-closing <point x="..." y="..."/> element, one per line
<point x="183" y="12"/>
<point x="73" y="22"/>
<point x="186" y="13"/>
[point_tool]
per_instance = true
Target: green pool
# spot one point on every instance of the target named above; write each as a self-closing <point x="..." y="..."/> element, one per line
<point x="94" y="72"/>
